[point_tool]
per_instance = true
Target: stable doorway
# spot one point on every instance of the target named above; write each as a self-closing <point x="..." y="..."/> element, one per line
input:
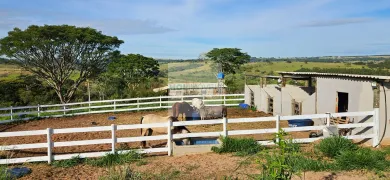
<point x="342" y="102"/>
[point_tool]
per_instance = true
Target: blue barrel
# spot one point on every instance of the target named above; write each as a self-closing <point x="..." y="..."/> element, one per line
<point x="243" y="106"/>
<point x="221" y="75"/>
<point x="300" y="122"/>
<point x="195" y="116"/>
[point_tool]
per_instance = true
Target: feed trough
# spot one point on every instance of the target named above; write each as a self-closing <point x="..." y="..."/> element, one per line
<point x="197" y="146"/>
<point x="300" y="123"/>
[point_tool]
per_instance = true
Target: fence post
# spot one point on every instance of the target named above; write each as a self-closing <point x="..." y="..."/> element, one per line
<point x="225" y="122"/>
<point x="376" y="119"/>
<point x="49" y="145"/>
<point x="113" y="137"/>
<point x="182" y="98"/>
<point x="12" y="114"/>
<point x="169" y="140"/>
<point x="64" y="109"/>
<point x="114" y="105"/>
<point x="224" y="99"/>
<point x="89" y="107"/>
<point x="277" y="127"/>
<point x="160" y="101"/>
<point x="328" y="119"/>
<point x="39" y="110"/>
<point x="137" y="103"/>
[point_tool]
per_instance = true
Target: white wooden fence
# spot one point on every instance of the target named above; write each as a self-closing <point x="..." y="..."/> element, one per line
<point x="118" y="105"/>
<point x="169" y="137"/>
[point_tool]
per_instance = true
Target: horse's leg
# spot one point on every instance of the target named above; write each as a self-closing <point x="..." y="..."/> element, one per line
<point x="143" y="143"/>
<point x="150" y="131"/>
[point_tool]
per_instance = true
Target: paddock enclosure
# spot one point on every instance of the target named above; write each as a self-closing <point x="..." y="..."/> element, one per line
<point x="121" y="119"/>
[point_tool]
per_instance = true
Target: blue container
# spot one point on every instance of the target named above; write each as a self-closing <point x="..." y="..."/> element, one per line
<point x="300" y="122"/>
<point x="204" y="141"/>
<point x="198" y="141"/>
<point x="221" y="75"/>
<point x="111" y="118"/>
<point x="243" y="106"/>
<point x="194" y="116"/>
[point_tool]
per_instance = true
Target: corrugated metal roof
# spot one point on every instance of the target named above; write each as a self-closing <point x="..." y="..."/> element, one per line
<point x="315" y="74"/>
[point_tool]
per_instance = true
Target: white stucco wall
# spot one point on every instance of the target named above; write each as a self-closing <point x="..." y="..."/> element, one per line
<point x="257" y="96"/>
<point x="286" y="103"/>
<point x="309" y="105"/>
<point x="360" y="98"/>
<point x="263" y="101"/>
<point x="384" y="111"/>
<point x="247" y="92"/>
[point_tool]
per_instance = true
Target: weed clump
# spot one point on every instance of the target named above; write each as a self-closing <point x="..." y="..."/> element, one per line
<point x="111" y="159"/>
<point x="241" y="146"/>
<point x="362" y="158"/>
<point x="333" y="146"/>
<point x="74" y="161"/>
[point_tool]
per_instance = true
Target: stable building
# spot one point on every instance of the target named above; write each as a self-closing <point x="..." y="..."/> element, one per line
<point x="350" y="93"/>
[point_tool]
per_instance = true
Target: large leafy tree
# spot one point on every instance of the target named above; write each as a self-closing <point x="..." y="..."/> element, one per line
<point x="59" y="54"/>
<point x="133" y="69"/>
<point x="229" y="59"/>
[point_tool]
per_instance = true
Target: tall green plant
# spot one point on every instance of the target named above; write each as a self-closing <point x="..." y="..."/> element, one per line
<point x="279" y="163"/>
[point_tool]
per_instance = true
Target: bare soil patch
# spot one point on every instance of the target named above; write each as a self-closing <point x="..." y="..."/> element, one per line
<point x="200" y="166"/>
<point x="121" y="118"/>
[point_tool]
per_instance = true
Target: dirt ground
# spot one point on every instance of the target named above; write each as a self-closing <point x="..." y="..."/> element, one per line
<point x="121" y="118"/>
<point x="200" y="166"/>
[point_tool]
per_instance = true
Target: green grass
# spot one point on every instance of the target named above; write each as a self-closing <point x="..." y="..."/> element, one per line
<point x="240" y="146"/>
<point x="333" y="146"/>
<point x="362" y="158"/>
<point x="111" y="159"/>
<point x="121" y="173"/>
<point x="74" y="161"/>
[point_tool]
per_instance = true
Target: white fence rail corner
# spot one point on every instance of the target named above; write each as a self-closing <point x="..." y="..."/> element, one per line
<point x="169" y="137"/>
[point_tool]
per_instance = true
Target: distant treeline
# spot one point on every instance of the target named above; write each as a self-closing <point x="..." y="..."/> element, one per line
<point x="363" y="71"/>
<point x="319" y="59"/>
<point x="298" y="59"/>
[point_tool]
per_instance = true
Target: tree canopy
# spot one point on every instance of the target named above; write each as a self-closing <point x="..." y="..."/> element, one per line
<point x="133" y="69"/>
<point x="55" y="53"/>
<point x="230" y="59"/>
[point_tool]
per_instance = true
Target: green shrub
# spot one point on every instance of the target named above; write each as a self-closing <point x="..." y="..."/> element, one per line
<point x="280" y="163"/>
<point x="302" y="163"/>
<point x="362" y="158"/>
<point x="74" y="161"/>
<point x="3" y="173"/>
<point x="241" y="146"/>
<point x="333" y="146"/>
<point x="111" y="159"/>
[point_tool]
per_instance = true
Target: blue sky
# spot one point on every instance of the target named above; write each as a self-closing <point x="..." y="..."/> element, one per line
<point x="187" y="28"/>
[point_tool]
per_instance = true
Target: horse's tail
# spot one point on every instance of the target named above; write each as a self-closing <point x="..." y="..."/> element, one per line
<point x="142" y="118"/>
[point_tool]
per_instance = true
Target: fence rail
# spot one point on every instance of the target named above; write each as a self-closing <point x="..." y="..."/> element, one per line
<point x="11" y="114"/>
<point x="170" y="137"/>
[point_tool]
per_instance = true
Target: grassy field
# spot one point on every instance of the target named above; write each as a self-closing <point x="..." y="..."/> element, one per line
<point x="202" y="72"/>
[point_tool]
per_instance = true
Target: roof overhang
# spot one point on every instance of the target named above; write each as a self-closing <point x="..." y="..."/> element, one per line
<point x="335" y="75"/>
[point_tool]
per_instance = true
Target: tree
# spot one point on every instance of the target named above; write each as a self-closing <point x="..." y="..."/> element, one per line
<point x="230" y="59"/>
<point x="133" y="69"/>
<point x="55" y="53"/>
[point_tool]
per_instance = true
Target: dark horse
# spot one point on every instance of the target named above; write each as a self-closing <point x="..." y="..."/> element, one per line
<point x="182" y="108"/>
